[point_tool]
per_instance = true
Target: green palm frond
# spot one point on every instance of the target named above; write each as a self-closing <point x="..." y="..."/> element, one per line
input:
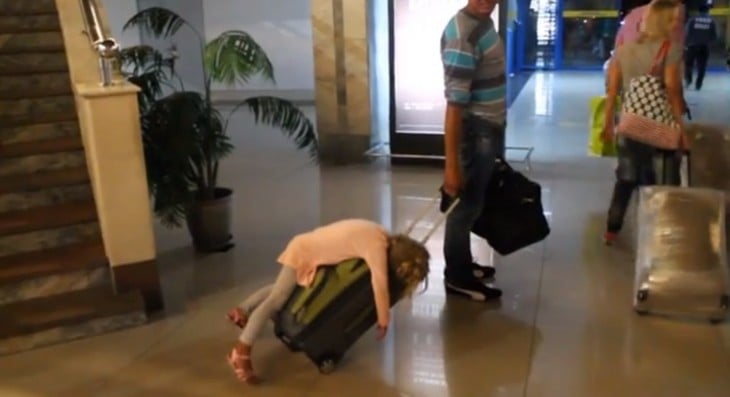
<point x="172" y="134"/>
<point x="146" y="68"/>
<point x="235" y="57"/>
<point x="140" y="58"/>
<point x="177" y="124"/>
<point x="157" y="21"/>
<point x="218" y="141"/>
<point x="282" y="114"/>
<point x="150" y="85"/>
<point x="184" y="135"/>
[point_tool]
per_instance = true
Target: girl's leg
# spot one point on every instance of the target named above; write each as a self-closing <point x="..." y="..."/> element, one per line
<point x="240" y="357"/>
<point x="638" y="171"/>
<point x="622" y="192"/>
<point x="280" y="292"/>
<point x="239" y="315"/>
<point x="255" y="299"/>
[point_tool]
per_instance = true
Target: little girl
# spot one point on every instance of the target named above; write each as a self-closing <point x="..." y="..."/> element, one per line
<point x="326" y="246"/>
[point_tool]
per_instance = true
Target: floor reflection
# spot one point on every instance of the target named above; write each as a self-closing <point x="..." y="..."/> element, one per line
<point x="564" y="327"/>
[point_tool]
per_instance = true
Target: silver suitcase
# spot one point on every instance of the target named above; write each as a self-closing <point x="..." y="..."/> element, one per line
<point x="681" y="262"/>
<point x="710" y="156"/>
<point x="709" y="164"/>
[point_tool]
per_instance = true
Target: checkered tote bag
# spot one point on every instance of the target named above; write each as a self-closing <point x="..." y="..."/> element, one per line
<point x="646" y="115"/>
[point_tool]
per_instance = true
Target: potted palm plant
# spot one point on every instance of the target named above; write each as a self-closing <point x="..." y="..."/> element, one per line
<point x="185" y="136"/>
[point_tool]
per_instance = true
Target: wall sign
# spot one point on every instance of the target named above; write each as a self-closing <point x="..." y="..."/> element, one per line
<point x="418" y="80"/>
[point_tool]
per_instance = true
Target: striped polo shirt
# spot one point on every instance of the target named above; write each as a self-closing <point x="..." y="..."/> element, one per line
<point x="474" y="66"/>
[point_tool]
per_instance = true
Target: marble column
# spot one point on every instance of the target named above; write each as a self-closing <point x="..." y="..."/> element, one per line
<point x="342" y="79"/>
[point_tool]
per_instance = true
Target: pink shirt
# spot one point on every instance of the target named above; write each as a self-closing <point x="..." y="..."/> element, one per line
<point x="631" y="27"/>
<point x="339" y="241"/>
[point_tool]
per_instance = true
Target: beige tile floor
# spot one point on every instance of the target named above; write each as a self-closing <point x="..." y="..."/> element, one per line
<point x="564" y="328"/>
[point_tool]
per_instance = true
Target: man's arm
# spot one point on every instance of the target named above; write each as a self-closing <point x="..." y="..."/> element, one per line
<point x="460" y="62"/>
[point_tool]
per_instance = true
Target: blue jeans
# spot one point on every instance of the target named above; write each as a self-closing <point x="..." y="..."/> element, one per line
<point x="482" y="142"/>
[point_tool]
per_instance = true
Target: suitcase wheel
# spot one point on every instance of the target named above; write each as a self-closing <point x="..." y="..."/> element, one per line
<point x="724" y="303"/>
<point x="328" y="363"/>
<point x="641" y="296"/>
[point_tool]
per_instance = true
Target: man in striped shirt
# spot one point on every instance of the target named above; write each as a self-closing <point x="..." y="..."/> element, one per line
<point x="475" y="84"/>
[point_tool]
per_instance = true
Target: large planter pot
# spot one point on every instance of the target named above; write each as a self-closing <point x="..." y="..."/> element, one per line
<point x="209" y="222"/>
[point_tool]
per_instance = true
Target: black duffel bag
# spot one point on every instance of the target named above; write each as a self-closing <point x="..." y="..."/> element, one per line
<point x="512" y="217"/>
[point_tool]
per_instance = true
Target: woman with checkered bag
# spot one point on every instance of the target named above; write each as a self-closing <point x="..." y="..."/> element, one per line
<point x="647" y="73"/>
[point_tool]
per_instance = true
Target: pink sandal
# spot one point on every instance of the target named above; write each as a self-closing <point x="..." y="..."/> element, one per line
<point x="237" y="317"/>
<point x="238" y="363"/>
<point x="609" y="238"/>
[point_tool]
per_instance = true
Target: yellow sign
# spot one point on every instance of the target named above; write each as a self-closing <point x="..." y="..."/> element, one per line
<point x="590" y="14"/>
<point x="725" y="11"/>
<point x="720" y="11"/>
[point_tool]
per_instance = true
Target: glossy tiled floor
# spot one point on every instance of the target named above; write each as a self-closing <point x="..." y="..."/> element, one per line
<point x="565" y="327"/>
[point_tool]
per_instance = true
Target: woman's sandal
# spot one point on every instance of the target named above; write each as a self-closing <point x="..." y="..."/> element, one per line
<point x="237" y="317"/>
<point x="239" y="363"/>
<point x="609" y="238"/>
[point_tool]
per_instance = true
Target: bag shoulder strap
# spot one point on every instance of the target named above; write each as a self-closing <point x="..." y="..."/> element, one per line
<point x="659" y="58"/>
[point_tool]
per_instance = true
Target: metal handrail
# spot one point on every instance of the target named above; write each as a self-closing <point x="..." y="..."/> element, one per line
<point x="106" y="47"/>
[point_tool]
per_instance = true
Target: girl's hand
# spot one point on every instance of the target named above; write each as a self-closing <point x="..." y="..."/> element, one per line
<point x="382" y="330"/>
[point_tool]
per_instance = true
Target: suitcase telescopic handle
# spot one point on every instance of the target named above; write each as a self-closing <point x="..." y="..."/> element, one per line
<point x="429" y="208"/>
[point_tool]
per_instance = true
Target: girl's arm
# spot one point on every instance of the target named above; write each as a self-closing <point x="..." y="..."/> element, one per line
<point x="377" y="261"/>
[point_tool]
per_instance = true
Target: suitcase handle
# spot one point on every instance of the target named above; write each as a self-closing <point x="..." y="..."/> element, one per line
<point x="429" y="208"/>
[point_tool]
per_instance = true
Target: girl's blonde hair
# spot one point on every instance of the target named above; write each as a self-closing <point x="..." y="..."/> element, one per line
<point x="658" y="22"/>
<point x="409" y="261"/>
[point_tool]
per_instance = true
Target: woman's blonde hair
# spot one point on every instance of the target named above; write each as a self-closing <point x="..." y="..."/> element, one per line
<point x="409" y="261"/>
<point x="658" y="22"/>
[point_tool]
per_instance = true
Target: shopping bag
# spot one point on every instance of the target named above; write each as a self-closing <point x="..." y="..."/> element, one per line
<point x="596" y="145"/>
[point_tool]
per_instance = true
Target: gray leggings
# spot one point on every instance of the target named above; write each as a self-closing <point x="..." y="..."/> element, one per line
<point x="260" y="306"/>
